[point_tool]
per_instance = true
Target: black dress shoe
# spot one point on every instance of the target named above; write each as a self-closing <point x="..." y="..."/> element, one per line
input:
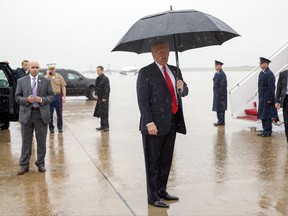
<point x="266" y="135"/>
<point x="159" y="204"/>
<point x="100" y="128"/>
<point x="23" y="170"/>
<point x="260" y="134"/>
<point x="169" y="197"/>
<point x="41" y="169"/>
<point x="218" y="124"/>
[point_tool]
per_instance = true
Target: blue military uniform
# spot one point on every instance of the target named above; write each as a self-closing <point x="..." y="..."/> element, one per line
<point x="266" y="91"/>
<point x="220" y="95"/>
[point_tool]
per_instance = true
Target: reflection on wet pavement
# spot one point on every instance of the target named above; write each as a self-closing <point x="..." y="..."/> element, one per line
<point x="220" y="158"/>
<point x="216" y="170"/>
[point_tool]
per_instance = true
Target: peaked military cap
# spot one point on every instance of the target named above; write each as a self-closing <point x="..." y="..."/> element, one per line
<point x="51" y="65"/>
<point x="218" y="63"/>
<point x="264" y="60"/>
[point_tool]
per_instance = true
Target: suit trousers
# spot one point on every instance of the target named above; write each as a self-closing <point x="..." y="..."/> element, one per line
<point x="35" y="123"/>
<point x="104" y="122"/>
<point x="158" y="153"/>
<point x="285" y="115"/>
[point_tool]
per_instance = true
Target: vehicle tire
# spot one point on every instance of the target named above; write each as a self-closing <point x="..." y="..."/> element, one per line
<point x="4" y="125"/>
<point x="91" y="95"/>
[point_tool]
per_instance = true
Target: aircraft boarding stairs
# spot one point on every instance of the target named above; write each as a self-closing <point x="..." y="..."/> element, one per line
<point x="244" y="94"/>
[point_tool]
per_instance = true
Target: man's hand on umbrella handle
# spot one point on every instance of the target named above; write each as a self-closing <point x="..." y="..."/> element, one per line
<point x="180" y="84"/>
<point x="152" y="129"/>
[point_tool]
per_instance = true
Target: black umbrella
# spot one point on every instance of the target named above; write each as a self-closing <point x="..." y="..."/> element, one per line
<point x="182" y="29"/>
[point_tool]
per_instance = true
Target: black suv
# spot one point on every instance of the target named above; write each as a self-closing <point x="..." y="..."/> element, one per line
<point x="76" y="83"/>
<point x="9" y="110"/>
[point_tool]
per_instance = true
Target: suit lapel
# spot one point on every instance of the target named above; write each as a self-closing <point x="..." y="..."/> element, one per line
<point x="173" y="72"/>
<point x="39" y="85"/>
<point x="160" y="75"/>
<point x="28" y="83"/>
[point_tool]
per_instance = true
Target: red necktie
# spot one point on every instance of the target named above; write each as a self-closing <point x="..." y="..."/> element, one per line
<point x="171" y="88"/>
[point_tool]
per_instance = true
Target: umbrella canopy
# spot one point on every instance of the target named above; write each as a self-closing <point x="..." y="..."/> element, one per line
<point x="183" y="30"/>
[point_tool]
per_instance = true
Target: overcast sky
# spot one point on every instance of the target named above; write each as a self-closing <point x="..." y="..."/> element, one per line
<point x="80" y="34"/>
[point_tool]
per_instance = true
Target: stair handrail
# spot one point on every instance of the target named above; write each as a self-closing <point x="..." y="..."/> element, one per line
<point x="255" y="69"/>
<point x="281" y="69"/>
<point x="276" y="76"/>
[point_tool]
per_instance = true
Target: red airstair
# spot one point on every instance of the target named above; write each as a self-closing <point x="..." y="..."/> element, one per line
<point x="251" y="114"/>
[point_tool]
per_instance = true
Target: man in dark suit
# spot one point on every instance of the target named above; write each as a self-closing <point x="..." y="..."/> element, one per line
<point x="23" y="71"/>
<point x="33" y="94"/>
<point x="219" y="93"/>
<point x="266" y="92"/>
<point x="161" y="117"/>
<point x="282" y="98"/>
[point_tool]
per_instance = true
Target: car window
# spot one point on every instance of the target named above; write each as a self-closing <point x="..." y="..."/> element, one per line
<point x="72" y="76"/>
<point x="3" y="80"/>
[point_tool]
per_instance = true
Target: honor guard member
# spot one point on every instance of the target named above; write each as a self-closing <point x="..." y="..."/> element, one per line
<point x="59" y="88"/>
<point x="266" y="92"/>
<point x="219" y="93"/>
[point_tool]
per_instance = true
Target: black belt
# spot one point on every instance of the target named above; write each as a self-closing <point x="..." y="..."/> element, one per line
<point x="34" y="108"/>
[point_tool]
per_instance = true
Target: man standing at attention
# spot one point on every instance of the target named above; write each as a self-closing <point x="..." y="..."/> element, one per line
<point x="33" y="94"/>
<point x="102" y="92"/>
<point x="266" y="92"/>
<point x="59" y="90"/>
<point x="219" y="93"/>
<point x="161" y="117"/>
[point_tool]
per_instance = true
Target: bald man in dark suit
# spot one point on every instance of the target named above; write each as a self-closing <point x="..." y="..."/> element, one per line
<point x="161" y="117"/>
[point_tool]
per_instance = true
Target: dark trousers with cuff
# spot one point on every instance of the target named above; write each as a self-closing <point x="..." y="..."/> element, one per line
<point x="158" y="153"/>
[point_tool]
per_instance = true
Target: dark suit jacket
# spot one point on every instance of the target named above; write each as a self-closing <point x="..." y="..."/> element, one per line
<point x="24" y="90"/>
<point x="19" y="72"/>
<point x="281" y="87"/>
<point x="155" y="100"/>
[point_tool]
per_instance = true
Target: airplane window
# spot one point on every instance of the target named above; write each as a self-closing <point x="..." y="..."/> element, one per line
<point x="3" y="80"/>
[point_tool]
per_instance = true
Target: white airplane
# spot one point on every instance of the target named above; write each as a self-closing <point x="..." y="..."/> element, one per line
<point x="129" y="69"/>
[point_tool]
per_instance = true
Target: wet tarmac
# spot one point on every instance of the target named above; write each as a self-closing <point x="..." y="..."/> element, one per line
<point x="216" y="170"/>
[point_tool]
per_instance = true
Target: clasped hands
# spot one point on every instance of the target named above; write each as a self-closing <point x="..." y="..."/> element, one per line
<point x="30" y="99"/>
